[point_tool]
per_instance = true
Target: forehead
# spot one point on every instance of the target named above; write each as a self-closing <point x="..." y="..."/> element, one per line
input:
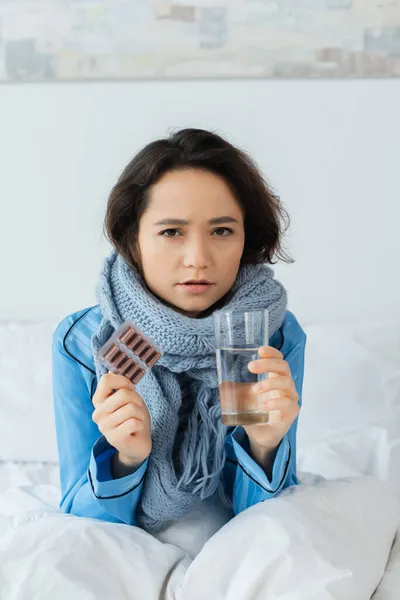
<point x="192" y="190"/>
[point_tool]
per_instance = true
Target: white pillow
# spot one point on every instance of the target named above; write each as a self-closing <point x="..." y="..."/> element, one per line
<point x="324" y="540"/>
<point x="350" y="419"/>
<point x="27" y="430"/>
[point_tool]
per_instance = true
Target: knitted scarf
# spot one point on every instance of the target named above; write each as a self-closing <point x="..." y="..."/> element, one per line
<point x="183" y="382"/>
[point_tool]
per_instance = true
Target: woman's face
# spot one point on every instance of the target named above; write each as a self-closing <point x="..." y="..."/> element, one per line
<point x="191" y="231"/>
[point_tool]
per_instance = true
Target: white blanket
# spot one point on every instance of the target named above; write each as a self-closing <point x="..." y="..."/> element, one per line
<point x="320" y="540"/>
<point x="390" y="585"/>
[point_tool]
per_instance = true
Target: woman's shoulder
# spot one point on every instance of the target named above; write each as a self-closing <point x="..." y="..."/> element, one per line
<point x="289" y="335"/>
<point x="292" y="327"/>
<point x="73" y="335"/>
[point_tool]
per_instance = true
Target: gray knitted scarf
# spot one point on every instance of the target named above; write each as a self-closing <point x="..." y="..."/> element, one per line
<point x="185" y="468"/>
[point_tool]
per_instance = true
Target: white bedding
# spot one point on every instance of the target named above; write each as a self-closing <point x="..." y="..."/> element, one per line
<point x="16" y="473"/>
<point x="389" y="587"/>
<point x="322" y="539"/>
<point x="333" y="537"/>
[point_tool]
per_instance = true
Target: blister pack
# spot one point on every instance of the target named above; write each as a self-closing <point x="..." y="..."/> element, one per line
<point x="129" y="352"/>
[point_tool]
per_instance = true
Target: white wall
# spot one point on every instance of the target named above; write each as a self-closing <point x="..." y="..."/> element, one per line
<point x="330" y="148"/>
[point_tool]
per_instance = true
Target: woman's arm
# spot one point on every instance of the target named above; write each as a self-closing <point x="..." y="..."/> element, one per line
<point x="85" y="457"/>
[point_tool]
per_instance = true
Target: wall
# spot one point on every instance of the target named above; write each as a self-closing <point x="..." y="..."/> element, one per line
<point x="330" y="148"/>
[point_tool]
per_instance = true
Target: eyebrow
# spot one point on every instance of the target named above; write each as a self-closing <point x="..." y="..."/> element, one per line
<point x="215" y="221"/>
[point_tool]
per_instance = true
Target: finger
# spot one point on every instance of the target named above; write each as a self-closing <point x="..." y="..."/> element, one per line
<point x="112" y="404"/>
<point x="120" y="398"/>
<point x="269" y="352"/>
<point x="110" y="382"/>
<point x="129" y="427"/>
<point x="129" y="411"/>
<point x="116" y="401"/>
<point x="275" y="383"/>
<point x="109" y="406"/>
<point x="269" y="365"/>
<point x="271" y="374"/>
<point x="275" y="418"/>
<point x="284" y="404"/>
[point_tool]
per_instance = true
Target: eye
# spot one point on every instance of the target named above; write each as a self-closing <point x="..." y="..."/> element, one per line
<point x="223" y="231"/>
<point x="170" y="232"/>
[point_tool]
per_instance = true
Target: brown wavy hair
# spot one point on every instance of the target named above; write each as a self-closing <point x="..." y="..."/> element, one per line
<point x="265" y="218"/>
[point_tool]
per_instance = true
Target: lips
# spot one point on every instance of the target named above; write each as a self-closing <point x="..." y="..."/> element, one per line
<point x="196" y="282"/>
<point x="196" y="286"/>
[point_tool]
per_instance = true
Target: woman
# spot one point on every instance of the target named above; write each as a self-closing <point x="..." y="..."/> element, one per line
<point x="188" y="209"/>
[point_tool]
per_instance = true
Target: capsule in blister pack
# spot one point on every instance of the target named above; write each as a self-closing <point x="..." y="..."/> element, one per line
<point x="129" y="352"/>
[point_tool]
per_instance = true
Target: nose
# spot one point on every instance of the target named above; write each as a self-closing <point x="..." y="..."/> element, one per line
<point x="197" y="253"/>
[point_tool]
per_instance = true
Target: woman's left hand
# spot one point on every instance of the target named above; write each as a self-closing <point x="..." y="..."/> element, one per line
<point x="279" y="396"/>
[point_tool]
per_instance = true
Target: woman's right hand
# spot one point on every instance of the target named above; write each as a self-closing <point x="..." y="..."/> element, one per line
<point x="123" y="418"/>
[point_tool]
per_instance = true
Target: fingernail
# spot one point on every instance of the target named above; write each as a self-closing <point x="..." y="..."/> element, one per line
<point x="252" y="364"/>
<point x="258" y="387"/>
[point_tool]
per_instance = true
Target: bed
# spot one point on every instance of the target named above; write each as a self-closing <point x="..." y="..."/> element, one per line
<point x="335" y="536"/>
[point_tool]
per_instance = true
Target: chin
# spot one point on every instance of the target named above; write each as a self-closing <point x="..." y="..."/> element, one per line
<point x="193" y="308"/>
<point x="196" y="307"/>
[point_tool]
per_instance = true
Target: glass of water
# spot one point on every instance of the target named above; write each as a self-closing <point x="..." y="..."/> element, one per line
<point x="239" y="335"/>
